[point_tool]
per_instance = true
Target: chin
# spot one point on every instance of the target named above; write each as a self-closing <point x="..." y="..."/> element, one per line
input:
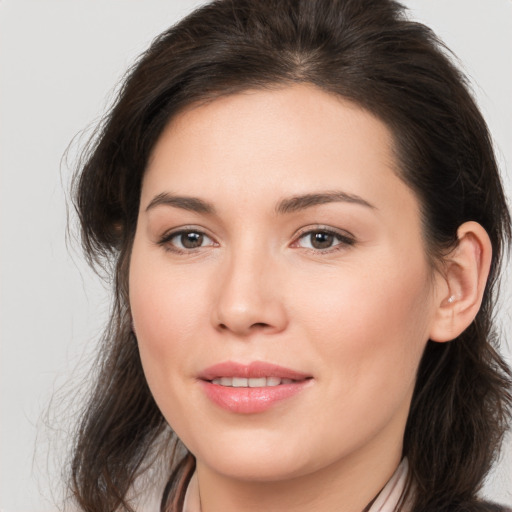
<point x="254" y="457"/>
<point x="263" y="457"/>
<point x="259" y="469"/>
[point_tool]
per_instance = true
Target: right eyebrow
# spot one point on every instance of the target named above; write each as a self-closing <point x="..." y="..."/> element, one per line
<point x="193" y="204"/>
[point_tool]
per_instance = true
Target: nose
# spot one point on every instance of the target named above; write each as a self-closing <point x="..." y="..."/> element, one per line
<point x="249" y="298"/>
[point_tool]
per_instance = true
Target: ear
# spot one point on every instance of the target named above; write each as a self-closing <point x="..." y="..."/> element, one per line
<point x="463" y="280"/>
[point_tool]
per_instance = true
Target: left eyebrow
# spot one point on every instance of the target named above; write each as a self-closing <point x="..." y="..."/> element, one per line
<point x="302" y="202"/>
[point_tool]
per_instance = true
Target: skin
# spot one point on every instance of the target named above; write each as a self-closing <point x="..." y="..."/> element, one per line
<point x="355" y="316"/>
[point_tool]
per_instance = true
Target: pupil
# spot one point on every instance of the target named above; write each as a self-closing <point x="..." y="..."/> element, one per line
<point x="191" y="240"/>
<point x="321" y="240"/>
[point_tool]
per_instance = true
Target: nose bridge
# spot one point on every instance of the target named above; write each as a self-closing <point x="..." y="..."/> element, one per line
<point x="248" y="296"/>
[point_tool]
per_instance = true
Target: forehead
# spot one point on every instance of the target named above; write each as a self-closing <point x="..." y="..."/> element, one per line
<point x="269" y="143"/>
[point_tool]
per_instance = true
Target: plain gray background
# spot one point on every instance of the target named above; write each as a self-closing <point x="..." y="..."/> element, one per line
<point x="59" y="62"/>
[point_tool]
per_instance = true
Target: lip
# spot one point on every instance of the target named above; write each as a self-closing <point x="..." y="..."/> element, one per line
<point x="252" y="370"/>
<point x="251" y="400"/>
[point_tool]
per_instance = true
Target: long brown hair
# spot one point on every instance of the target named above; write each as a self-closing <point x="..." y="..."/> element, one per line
<point x="369" y="52"/>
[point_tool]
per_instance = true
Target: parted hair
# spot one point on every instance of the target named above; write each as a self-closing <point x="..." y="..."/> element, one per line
<point x="371" y="53"/>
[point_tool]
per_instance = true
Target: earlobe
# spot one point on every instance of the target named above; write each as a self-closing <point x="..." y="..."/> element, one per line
<point x="466" y="269"/>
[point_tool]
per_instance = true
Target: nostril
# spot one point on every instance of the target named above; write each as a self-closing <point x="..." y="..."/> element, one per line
<point x="260" y="325"/>
<point x="255" y="326"/>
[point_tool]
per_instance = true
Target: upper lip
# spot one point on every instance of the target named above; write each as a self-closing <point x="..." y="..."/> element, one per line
<point x="255" y="369"/>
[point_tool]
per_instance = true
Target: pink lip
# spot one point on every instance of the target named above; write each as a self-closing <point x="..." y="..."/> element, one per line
<point x="253" y="370"/>
<point x="246" y="400"/>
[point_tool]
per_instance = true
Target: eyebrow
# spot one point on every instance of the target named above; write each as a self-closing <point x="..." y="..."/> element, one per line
<point x="302" y="202"/>
<point x="192" y="204"/>
<point x="288" y="205"/>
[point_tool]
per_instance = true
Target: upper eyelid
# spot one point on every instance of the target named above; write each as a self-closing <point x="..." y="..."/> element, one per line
<point x="171" y="233"/>
<point x="321" y="228"/>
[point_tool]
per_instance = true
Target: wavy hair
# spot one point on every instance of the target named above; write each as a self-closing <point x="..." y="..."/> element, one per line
<point x="371" y="53"/>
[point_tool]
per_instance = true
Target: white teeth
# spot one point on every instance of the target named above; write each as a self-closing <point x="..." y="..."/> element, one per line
<point x="241" y="382"/>
<point x="257" y="383"/>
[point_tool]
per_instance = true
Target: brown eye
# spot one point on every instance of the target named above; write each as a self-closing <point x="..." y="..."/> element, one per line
<point x="186" y="240"/>
<point x="321" y="239"/>
<point x="191" y="240"/>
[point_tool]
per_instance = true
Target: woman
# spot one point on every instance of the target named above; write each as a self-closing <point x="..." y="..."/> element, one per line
<point x="305" y="220"/>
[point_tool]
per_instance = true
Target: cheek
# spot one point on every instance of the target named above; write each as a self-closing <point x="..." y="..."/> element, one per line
<point x="161" y="306"/>
<point x="169" y="311"/>
<point x="368" y="331"/>
<point x="372" y="322"/>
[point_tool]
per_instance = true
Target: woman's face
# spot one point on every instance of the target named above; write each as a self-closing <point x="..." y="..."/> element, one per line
<point x="276" y="243"/>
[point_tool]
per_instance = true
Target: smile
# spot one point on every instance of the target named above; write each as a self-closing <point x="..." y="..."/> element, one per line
<point x="251" y="388"/>
<point x="258" y="382"/>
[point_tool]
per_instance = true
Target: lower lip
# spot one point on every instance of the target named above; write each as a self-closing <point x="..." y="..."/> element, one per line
<point x="251" y="400"/>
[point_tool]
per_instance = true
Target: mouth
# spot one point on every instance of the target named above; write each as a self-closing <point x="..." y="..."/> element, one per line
<point x="230" y="373"/>
<point x="257" y="382"/>
<point x="251" y="388"/>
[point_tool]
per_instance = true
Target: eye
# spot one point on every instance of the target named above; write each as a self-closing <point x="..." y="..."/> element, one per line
<point x="186" y="240"/>
<point x="323" y="240"/>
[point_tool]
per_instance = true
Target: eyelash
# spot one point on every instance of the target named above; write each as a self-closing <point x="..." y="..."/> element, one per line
<point x="166" y="239"/>
<point x="344" y="240"/>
